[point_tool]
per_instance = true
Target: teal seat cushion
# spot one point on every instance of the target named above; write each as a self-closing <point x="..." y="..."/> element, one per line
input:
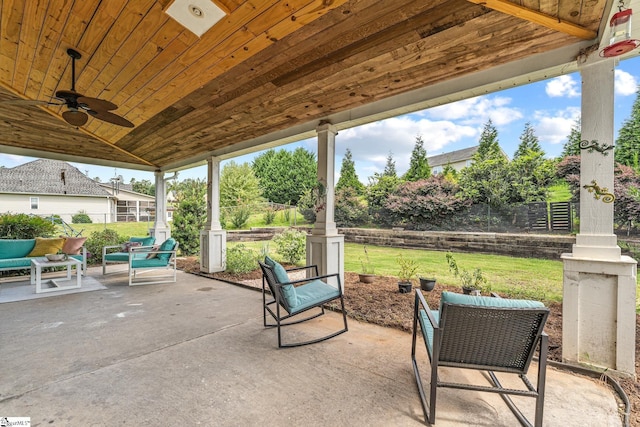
<point x="288" y="292"/>
<point x="148" y="263"/>
<point x="78" y="257"/>
<point x="124" y="256"/>
<point x="454" y="298"/>
<point x="15" y="263"/>
<point x="310" y="293"/>
<point x="16" y="248"/>
<point x="167" y="245"/>
<point x="427" y="328"/>
<point x="144" y="241"/>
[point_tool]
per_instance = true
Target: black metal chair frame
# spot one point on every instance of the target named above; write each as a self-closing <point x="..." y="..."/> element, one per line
<point x="482" y="338"/>
<point x="277" y="298"/>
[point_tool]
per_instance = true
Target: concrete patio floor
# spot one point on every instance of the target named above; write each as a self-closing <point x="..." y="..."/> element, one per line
<point x="196" y="353"/>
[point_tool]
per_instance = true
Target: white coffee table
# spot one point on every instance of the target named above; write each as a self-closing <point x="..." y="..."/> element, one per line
<point x="57" y="284"/>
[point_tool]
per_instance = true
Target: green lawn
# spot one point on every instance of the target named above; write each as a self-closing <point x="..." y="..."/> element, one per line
<point x="559" y="192"/>
<point x="126" y="229"/>
<point x="518" y="277"/>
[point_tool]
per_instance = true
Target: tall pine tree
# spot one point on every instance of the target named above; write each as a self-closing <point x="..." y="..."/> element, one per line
<point x="390" y="167"/>
<point x="628" y="142"/>
<point x="489" y="147"/>
<point x="529" y="142"/>
<point x="348" y="176"/>
<point x="572" y="146"/>
<point x="418" y="165"/>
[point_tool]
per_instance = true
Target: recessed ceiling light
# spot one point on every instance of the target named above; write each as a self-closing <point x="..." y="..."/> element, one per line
<point x="198" y="16"/>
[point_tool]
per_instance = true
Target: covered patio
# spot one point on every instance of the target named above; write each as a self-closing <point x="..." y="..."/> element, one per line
<point x="196" y="353"/>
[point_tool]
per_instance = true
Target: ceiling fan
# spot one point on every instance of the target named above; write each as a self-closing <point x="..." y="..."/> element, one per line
<point x="78" y="105"/>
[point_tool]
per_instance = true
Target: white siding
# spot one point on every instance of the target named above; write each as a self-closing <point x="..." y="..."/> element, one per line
<point x="98" y="208"/>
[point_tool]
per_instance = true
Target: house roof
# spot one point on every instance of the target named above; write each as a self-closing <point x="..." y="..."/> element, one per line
<point x="452" y="156"/>
<point x="48" y="177"/>
<point x="266" y="74"/>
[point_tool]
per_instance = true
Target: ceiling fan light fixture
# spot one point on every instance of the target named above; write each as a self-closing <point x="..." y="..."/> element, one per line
<point x="197" y="16"/>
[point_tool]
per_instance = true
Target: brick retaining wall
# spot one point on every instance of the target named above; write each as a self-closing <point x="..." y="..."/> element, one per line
<point x="521" y="245"/>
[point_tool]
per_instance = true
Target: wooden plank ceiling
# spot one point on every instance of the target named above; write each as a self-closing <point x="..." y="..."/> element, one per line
<point x="268" y="65"/>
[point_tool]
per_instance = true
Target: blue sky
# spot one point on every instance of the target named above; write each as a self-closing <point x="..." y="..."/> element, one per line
<point x="551" y="106"/>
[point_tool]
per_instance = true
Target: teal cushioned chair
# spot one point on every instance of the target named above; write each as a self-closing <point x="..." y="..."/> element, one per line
<point x="164" y="258"/>
<point x="109" y="256"/>
<point x="289" y="299"/>
<point x="489" y="334"/>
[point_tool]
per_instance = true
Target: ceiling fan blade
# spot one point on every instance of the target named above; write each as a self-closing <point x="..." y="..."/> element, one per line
<point x="111" y="118"/>
<point x="97" y="104"/>
<point x="75" y="117"/>
<point x="21" y="102"/>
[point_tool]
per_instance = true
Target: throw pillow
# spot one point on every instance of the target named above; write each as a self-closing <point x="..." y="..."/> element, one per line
<point x="144" y="241"/>
<point x="167" y="245"/>
<point x="128" y="246"/>
<point x="46" y="246"/>
<point x="73" y="245"/>
<point x="153" y="254"/>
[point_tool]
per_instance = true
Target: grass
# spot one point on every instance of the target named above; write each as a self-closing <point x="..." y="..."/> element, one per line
<point x="257" y="220"/>
<point x="123" y="228"/>
<point x="516" y="277"/>
<point x="559" y="193"/>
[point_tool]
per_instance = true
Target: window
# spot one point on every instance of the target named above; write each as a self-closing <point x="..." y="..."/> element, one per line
<point x="34" y="202"/>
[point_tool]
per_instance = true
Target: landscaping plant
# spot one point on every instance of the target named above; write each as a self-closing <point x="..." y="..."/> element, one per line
<point x="240" y="259"/>
<point x="291" y="245"/>
<point x="23" y="226"/>
<point x="473" y="280"/>
<point x="98" y="239"/>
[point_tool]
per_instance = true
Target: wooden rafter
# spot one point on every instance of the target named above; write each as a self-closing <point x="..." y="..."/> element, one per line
<point x="536" y="17"/>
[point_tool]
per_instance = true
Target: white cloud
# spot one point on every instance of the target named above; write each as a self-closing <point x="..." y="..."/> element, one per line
<point x="563" y="86"/>
<point x="553" y="127"/>
<point x="477" y="110"/>
<point x="625" y="83"/>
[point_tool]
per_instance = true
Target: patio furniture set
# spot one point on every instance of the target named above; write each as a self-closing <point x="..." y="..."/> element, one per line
<point x="40" y="253"/>
<point x="487" y="334"/>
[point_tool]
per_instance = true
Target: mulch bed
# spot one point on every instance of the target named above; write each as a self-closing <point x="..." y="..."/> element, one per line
<point x="380" y="303"/>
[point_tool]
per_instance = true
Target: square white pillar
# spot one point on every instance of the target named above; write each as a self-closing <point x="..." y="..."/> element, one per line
<point x="213" y="239"/>
<point x="327" y="252"/>
<point x="598" y="318"/>
<point x="160" y="230"/>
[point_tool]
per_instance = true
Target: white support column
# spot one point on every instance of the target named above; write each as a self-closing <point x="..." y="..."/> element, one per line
<point x="213" y="239"/>
<point x="325" y="247"/>
<point x="598" y="320"/>
<point x="160" y="230"/>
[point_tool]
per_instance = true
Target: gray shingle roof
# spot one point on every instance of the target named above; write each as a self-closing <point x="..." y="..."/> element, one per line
<point x="48" y="177"/>
<point x="452" y="157"/>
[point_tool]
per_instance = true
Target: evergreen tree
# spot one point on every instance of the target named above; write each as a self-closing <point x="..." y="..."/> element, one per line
<point x="190" y="214"/>
<point x="572" y="146"/>
<point x="348" y="176"/>
<point x="529" y="142"/>
<point x="238" y="185"/>
<point x="285" y="176"/>
<point x="418" y="165"/>
<point x="628" y="142"/>
<point x="390" y="167"/>
<point x="489" y="147"/>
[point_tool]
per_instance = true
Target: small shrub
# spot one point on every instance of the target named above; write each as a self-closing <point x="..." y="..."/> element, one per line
<point x="240" y="215"/>
<point x="98" y="239"/>
<point x="23" y="226"/>
<point x="286" y="214"/>
<point x="81" y="218"/>
<point x="291" y="245"/>
<point x="240" y="259"/>
<point x="269" y="215"/>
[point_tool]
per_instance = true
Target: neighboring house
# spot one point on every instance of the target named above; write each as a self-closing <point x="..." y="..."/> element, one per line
<point x="458" y="159"/>
<point x="51" y="187"/>
<point x="130" y="205"/>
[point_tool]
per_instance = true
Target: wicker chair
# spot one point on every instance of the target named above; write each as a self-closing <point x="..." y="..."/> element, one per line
<point x="482" y="333"/>
<point x="297" y="297"/>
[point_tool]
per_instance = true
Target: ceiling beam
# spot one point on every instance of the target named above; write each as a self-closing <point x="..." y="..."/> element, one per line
<point x="543" y="19"/>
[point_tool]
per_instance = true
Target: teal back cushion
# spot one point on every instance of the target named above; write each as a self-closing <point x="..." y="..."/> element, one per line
<point x="16" y="248"/>
<point x="454" y="298"/>
<point x="144" y="241"/>
<point x="168" y="245"/>
<point x="288" y="291"/>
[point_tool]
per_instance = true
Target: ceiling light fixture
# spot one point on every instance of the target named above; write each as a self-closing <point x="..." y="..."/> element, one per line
<point x="198" y="16"/>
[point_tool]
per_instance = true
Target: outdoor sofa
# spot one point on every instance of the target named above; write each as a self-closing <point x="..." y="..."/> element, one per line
<point x="16" y="254"/>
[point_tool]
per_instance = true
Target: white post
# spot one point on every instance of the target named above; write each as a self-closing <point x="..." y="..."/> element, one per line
<point x="325" y="247"/>
<point x="160" y="230"/>
<point x="598" y="321"/>
<point x="213" y="239"/>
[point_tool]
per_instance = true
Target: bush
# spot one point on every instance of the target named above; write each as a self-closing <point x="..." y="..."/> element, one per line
<point x="269" y="215"/>
<point x="351" y="210"/>
<point x="23" y="226"/>
<point x="241" y="259"/>
<point x="81" y="218"/>
<point x="190" y="215"/>
<point x="291" y="245"/>
<point x="97" y="240"/>
<point x="240" y="215"/>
